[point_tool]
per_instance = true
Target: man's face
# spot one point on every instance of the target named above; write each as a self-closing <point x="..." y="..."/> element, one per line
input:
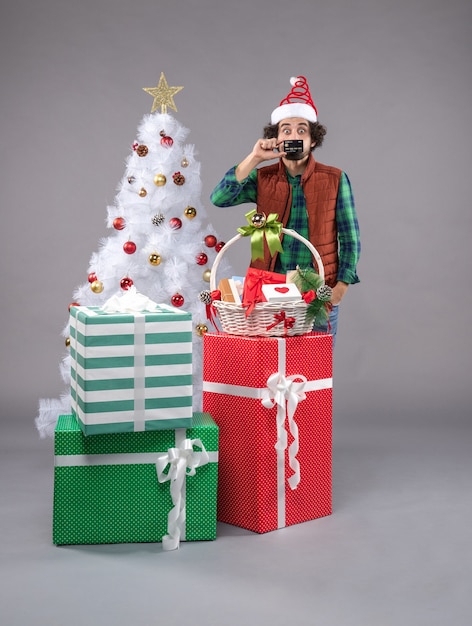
<point x="296" y="128"/>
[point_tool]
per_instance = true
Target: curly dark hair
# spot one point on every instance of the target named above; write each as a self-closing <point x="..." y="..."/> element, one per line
<point x="317" y="132"/>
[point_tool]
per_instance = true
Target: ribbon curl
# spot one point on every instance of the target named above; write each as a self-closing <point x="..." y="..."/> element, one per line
<point x="182" y="463"/>
<point x="283" y="392"/>
<point x="271" y="231"/>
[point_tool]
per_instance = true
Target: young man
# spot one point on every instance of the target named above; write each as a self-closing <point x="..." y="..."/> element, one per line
<point x="311" y="198"/>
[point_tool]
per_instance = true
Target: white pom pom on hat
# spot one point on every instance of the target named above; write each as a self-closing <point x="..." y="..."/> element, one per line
<point x="298" y="103"/>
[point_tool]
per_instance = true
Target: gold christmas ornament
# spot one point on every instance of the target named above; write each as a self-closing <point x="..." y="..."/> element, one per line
<point x="142" y="192"/>
<point x="258" y="220"/>
<point x="184" y="162"/>
<point x="96" y="286"/>
<point x="67" y="342"/>
<point x="154" y="258"/>
<point x="206" y="276"/>
<point x="190" y="212"/>
<point x="163" y="95"/>
<point x="201" y="329"/>
<point x="160" y="180"/>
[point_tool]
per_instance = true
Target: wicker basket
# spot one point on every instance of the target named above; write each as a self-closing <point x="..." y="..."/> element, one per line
<point x="233" y="316"/>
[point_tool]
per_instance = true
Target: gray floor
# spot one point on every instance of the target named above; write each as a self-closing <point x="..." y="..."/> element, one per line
<point x="396" y="551"/>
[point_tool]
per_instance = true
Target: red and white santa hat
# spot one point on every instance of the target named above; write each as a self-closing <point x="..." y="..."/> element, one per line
<point x="298" y="103"/>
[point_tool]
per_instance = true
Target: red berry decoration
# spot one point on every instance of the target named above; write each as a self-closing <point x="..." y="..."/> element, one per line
<point x="177" y="300"/>
<point x="92" y="277"/>
<point x="126" y="283"/>
<point x="219" y="245"/>
<point x="73" y="304"/>
<point x="129" y="247"/>
<point x="119" y="223"/>
<point x="202" y="258"/>
<point x="175" y="223"/>
<point x="210" y="241"/>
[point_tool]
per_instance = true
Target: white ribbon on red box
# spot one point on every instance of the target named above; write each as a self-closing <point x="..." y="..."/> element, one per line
<point x="285" y="393"/>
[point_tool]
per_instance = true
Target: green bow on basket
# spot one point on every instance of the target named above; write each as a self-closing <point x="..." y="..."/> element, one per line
<point x="259" y="227"/>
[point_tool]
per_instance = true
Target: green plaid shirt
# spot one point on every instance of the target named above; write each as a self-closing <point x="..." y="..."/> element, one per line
<point x="230" y="192"/>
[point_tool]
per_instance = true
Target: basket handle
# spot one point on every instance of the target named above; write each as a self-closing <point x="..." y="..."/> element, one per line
<point x="286" y="231"/>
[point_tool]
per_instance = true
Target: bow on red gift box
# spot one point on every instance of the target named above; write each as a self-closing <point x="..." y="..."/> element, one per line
<point x="252" y="291"/>
<point x="288" y="322"/>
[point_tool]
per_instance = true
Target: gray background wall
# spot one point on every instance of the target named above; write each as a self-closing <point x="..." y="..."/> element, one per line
<point x="392" y="84"/>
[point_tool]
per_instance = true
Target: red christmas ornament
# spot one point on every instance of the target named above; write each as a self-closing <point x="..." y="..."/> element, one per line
<point x="119" y="223"/>
<point x="210" y="241"/>
<point x="175" y="223"/>
<point x="166" y="141"/>
<point x="219" y="245"/>
<point x="73" y="304"/>
<point x="129" y="247"/>
<point x="202" y="258"/>
<point x="91" y="277"/>
<point x="126" y="283"/>
<point x="177" y="300"/>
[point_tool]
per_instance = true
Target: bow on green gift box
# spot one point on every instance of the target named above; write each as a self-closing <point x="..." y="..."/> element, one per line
<point x="269" y="228"/>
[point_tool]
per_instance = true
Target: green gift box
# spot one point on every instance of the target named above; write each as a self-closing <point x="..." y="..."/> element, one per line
<point x="135" y="487"/>
<point x="131" y="371"/>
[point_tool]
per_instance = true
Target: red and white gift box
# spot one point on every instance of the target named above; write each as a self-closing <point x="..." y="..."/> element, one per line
<point x="272" y="400"/>
<point x="283" y="292"/>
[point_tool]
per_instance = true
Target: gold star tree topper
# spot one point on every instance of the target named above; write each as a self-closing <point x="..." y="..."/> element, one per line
<point x="163" y="95"/>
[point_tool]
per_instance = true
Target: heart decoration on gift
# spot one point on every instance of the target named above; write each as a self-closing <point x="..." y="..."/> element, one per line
<point x="282" y="289"/>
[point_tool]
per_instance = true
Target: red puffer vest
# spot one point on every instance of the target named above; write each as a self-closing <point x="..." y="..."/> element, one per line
<point x="320" y="185"/>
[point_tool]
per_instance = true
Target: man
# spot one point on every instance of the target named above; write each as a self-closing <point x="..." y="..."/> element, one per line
<point x="311" y="198"/>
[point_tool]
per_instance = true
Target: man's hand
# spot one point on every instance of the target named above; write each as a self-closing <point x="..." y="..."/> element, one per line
<point x="339" y="290"/>
<point x="264" y="150"/>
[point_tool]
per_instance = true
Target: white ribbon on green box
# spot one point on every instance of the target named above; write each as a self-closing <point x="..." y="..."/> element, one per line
<point x="183" y="460"/>
<point x="131" y="370"/>
<point x="285" y="393"/>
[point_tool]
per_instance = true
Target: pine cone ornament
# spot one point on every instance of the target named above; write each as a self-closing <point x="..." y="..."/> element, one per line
<point x="324" y="293"/>
<point x="142" y="150"/>
<point x="158" y="219"/>
<point x="179" y="179"/>
<point x="205" y="297"/>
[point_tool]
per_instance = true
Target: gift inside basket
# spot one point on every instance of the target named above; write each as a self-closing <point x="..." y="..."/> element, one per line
<point x="266" y="319"/>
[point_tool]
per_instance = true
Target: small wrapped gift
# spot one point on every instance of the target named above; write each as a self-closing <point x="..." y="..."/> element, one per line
<point x="228" y="290"/>
<point x="283" y="292"/>
<point x="253" y="282"/>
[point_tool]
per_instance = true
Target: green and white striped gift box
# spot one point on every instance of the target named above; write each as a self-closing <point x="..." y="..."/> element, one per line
<point x="131" y="371"/>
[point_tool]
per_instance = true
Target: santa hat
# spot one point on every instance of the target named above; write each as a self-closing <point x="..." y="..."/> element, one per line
<point x="298" y="103"/>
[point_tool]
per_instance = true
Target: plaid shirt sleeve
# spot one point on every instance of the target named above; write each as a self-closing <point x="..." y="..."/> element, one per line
<point x="229" y="191"/>
<point x="348" y="232"/>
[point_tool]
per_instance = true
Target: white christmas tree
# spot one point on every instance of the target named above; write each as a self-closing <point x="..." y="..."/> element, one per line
<point x="161" y="242"/>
